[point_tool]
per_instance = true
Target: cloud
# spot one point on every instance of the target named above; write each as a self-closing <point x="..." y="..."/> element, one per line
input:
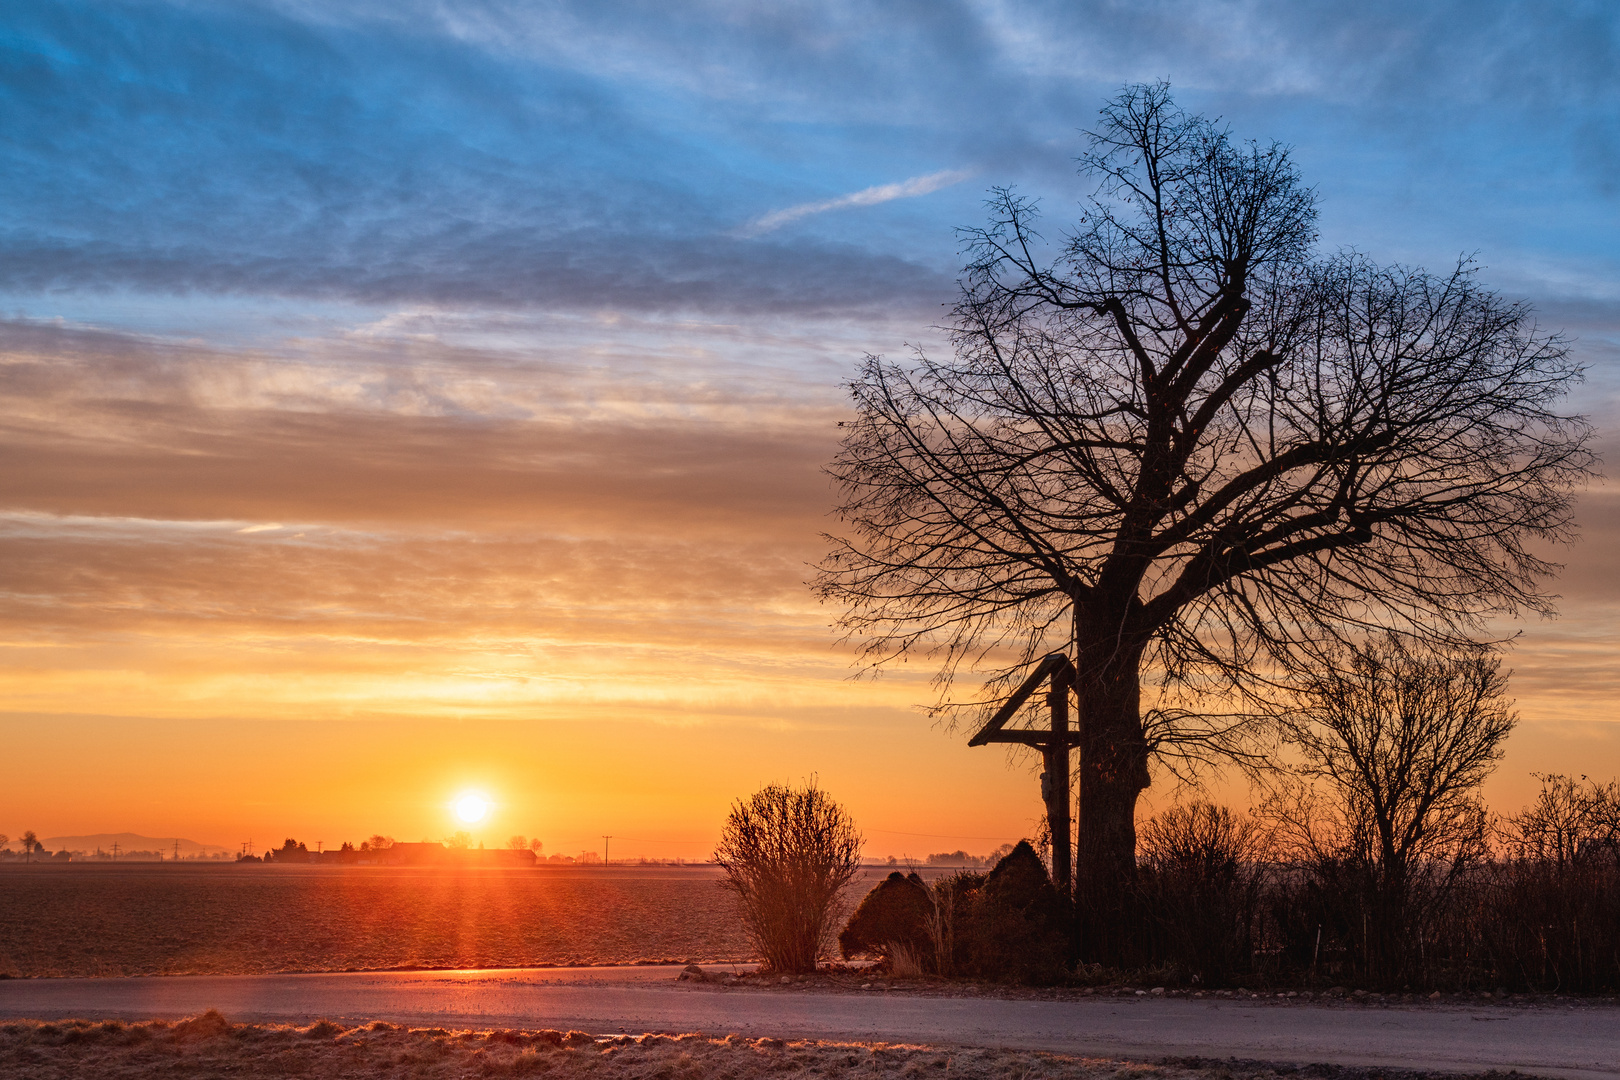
<point x="872" y="196"/>
<point x="590" y="156"/>
<point x="369" y="437"/>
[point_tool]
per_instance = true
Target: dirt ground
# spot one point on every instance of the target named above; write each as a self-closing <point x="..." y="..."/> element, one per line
<point x="210" y="1046"/>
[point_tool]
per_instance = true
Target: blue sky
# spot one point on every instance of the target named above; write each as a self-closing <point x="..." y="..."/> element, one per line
<point x="557" y="156"/>
<point x="503" y="338"/>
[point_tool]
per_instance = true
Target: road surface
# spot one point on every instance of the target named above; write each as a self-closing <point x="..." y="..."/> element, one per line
<point x="1581" y="1042"/>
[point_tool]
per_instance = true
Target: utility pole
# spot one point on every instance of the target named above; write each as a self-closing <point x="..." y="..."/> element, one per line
<point x="115" y="851"/>
<point x="177" y="851"/>
<point x="605" y="840"/>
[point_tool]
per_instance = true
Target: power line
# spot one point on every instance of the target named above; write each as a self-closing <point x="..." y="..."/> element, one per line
<point x="935" y="836"/>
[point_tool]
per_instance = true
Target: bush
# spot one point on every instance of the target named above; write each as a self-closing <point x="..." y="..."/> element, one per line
<point x="954" y="899"/>
<point x="1199" y="890"/>
<point x="892" y="922"/>
<point x="1006" y="925"/>
<point x="789" y="854"/>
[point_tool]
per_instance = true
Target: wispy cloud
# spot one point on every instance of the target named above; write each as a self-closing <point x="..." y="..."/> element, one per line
<point x="882" y="193"/>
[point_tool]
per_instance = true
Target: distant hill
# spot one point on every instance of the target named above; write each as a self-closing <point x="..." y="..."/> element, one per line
<point x="128" y="841"/>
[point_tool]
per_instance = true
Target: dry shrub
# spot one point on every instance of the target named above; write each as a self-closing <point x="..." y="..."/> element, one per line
<point x="789" y="854"/>
<point x="1006" y="925"/>
<point x="892" y="918"/>
<point x="905" y="962"/>
<point x="1550" y="912"/>
<point x="210" y="1025"/>
<point x="1015" y="928"/>
<point x="1199" y="886"/>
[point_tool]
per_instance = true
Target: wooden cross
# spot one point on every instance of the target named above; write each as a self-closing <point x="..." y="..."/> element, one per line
<point x="1054" y="745"/>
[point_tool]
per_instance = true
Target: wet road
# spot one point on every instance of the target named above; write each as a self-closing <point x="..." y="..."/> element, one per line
<point x="1552" y="1041"/>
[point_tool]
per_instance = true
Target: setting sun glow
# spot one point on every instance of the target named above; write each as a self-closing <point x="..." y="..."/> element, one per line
<point x="471" y="808"/>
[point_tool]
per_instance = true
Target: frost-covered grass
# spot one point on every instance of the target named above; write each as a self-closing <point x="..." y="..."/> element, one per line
<point x="209" y="1046"/>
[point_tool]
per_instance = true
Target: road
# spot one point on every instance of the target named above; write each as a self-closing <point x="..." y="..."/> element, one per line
<point x="1582" y="1042"/>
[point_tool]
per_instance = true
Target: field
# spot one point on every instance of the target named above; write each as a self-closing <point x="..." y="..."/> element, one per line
<point x="151" y="919"/>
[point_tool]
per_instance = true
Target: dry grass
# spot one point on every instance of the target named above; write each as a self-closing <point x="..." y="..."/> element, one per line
<point x="210" y="1046"/>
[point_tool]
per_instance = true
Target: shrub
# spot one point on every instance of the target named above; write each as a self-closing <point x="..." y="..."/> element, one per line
<point x="892" y="919"/>
<point x="1199" y="886"/>
<point x="954" y="898"/>
<point x="789" y="854"/>
<point x="1007" y="925"/>
<point x="1555" y="898"/>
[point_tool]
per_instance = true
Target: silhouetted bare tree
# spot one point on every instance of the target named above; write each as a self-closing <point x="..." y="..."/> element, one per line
<point x="1570" y="821"/>
<point x="1183" y="444"/>
<point x="1401" y="737"/>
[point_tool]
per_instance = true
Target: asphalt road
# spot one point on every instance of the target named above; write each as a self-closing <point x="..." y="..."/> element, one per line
<point x="1583" y="1041"/>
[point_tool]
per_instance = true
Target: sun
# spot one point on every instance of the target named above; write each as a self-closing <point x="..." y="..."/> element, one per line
<point x="471" y="807"/>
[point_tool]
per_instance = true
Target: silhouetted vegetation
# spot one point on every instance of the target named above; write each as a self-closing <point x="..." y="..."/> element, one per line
<point x="893" y="922"/>
<point x="1182" y="443"/>
<point x="1199" y="890"/>
<point x="1397" y="740"/>
<point x="789" y="854"/>
<point x="1006" y="925"/>
<point x="1013" y="926"/>
<point x="1224" y="899"/>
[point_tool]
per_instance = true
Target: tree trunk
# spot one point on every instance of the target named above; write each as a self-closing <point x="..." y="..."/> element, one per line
<point x="1112" y="773"/>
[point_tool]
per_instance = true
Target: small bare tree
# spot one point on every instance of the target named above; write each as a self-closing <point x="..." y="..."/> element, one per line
<point x="789" y="854"/>
<point x="30" y="843"/>
<point x="1401" y="737"/>
<point x="1571" y="821"/>
<point x="1181" y="447"/>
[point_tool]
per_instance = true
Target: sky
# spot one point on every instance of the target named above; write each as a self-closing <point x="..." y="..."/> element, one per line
<point x="401" y="399"/>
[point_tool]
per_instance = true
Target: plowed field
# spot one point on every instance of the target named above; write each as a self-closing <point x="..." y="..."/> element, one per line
<point x="91" y="920"/>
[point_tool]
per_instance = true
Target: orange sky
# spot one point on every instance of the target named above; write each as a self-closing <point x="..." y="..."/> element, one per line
<point x="397" y="398"/>
<point x="317" y="590"/>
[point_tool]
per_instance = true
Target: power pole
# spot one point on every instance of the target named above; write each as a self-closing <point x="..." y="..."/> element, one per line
<point x="605" y="840"/>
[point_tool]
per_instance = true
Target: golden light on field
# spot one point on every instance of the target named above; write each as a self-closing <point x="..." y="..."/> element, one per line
<point x="472" y="807"/>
